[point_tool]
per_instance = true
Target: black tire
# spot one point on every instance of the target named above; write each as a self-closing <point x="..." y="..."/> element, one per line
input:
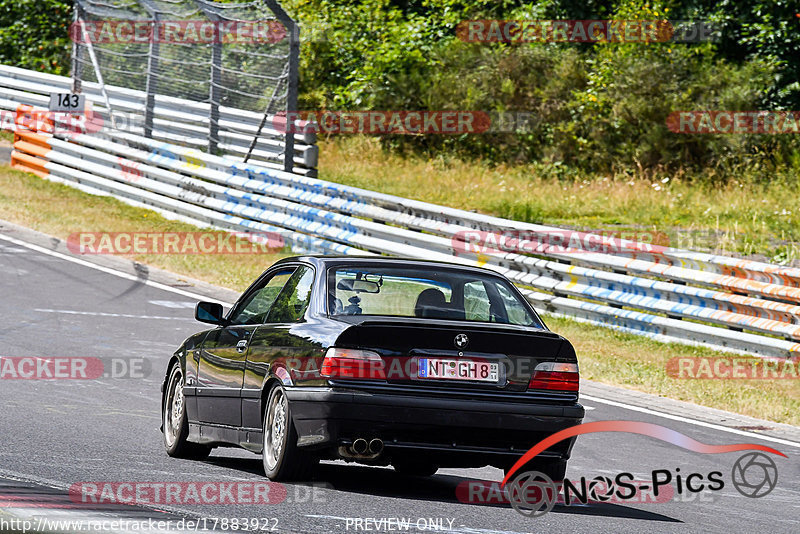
<point x="282" y="458"/>
<point x="555" y="469"/>
<point x="175" y="426"/>
<point x="415" y="469"/>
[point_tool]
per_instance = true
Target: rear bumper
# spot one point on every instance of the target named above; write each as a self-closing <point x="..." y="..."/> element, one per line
<point x="490" y="432"/>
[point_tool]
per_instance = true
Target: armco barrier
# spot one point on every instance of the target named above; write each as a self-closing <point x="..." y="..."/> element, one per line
<point x="175" y="120"/>
<point x="700" y="298"/>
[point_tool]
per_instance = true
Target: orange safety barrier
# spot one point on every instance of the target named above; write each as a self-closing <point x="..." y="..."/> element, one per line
<point x="28" y="163"/>
<point x="40" y="141"/>
<point x="30" y="146"/>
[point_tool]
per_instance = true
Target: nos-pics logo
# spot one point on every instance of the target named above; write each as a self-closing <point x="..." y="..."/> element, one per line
<point x="532" y="493"/>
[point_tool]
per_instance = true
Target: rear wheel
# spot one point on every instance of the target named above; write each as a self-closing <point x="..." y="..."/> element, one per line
<point x="555" y="469"/>
<point x="175" y="424"/>
<point x="415" y="469"/>
<point x="282" y="458"/>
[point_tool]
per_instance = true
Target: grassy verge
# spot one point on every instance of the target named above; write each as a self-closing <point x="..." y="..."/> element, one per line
<point x="639" y="363"/>
<point x="752" y="219"/>
<point x="605" y="355"/>
<point x="60" y="210"/>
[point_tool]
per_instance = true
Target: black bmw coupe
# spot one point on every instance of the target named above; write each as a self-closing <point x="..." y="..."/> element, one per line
<point x="381" y="361"/>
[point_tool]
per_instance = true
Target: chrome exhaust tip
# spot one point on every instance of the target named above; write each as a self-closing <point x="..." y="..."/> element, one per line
<point x="376" y="446"/>
<point x="360" y="446"/>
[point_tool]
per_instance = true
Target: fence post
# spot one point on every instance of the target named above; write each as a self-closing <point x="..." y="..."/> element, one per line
<point x="214" y="85"/>
<point x="151" y="85"/>
<point x="291" y="94"/>
<point x="77" y="51"/>
<point x="214" y="91"/>
<point x="292" y="82"/>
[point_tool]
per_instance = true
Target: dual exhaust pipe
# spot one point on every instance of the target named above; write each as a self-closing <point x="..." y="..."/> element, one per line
<point x="361" y="447"/>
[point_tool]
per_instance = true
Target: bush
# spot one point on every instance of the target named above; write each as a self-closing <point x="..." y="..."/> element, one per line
<point x="597" y="107"/>
<point x="34" y="34"/>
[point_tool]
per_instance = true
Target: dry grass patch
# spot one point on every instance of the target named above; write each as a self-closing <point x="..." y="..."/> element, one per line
<point x="753" y="219"/>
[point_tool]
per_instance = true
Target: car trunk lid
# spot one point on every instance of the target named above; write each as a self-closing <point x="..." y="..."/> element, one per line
<point x="431" y="354"/>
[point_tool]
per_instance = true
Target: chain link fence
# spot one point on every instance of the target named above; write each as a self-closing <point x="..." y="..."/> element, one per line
<point x="238" y="60"/>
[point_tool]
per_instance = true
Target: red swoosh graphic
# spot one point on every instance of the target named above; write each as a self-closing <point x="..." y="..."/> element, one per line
<point x="634" y="427"/>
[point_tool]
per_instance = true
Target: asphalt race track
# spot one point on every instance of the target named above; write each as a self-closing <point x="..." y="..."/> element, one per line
<point x="56" y="433"/>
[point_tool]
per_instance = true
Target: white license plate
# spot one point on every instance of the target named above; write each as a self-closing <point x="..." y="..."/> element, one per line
<point x="458" y="370"/>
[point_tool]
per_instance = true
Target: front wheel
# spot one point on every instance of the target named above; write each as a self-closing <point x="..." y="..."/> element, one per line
<point x="282" y="458"/>
<point x="175" y="425"/>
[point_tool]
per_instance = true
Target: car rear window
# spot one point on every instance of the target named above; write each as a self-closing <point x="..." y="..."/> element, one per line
<point x="426" y="293"/>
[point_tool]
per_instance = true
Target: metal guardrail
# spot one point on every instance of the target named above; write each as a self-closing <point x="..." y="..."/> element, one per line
<point x="175" y="120"/>
<point x="665" y="293"/>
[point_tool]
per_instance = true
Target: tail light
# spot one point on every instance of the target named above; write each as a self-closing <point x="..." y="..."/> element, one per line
<point x="555" y="376"/>
<point x="353" y="364"/>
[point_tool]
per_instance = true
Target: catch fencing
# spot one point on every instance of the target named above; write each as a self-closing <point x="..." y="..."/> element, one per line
<point x="225" y="67"/>
<point x="176" y="120"/>
<point x="664" y="293"/>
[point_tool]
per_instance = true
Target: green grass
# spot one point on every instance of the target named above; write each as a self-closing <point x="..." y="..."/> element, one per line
<point x="742" y="218"/>
<point x="640" y="363"/>
<point x="605" y="355"/>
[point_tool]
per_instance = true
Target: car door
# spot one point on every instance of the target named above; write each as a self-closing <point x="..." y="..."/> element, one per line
<point x="222" y="358"/>
<point x="284" y="336"/>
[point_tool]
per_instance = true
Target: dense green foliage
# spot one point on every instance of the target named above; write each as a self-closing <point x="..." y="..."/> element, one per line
<point x="598" y="107"/>
<point x="34" y="34"/>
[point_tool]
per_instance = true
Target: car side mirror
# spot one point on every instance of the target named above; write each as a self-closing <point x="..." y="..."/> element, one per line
<point x="209" y="312"/>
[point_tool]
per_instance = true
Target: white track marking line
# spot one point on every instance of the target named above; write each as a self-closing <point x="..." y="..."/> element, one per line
<point x="104" y="314"/>
<point x="178" y="305"/>
<point x="109" y="270"/>
<point x="691" y="421"/>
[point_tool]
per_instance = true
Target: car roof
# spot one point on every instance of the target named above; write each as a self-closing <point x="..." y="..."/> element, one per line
<point x="328" y="261"/>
